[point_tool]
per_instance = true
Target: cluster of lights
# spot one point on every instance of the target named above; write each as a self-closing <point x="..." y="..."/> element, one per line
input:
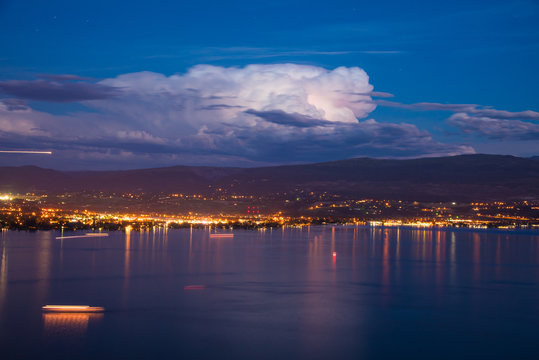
<point x="483" y="214"/>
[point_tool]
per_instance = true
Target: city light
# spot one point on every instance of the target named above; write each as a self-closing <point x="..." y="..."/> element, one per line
<point x="73" y="211"/>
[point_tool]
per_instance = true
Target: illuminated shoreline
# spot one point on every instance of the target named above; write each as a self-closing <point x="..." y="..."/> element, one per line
<point x="56" y="219"/>
<point x="58" y="212"/>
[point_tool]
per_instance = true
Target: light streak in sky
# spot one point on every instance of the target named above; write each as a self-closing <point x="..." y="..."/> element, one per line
<point x="25" y="152"/>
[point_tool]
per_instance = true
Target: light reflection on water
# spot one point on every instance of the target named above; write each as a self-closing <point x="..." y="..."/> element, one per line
<point x="59" y="327"/>
<point x="280" y="290"/>
<point x="3" y="274"/>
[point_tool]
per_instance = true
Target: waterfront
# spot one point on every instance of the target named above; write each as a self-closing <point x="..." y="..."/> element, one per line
<point x="386" y="293"/>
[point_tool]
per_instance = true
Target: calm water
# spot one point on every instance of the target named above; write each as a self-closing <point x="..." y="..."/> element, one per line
<point x="387" y="294"/>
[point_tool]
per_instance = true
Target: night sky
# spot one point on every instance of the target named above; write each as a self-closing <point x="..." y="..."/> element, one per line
<point x="131" y="84"/>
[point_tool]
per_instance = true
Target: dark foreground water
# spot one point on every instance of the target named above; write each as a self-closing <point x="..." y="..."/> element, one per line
<point x="387" y="294"/>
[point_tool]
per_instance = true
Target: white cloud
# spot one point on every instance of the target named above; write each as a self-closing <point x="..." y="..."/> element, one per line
<point x="188" y="98"/>
<point x="256" y="114"/>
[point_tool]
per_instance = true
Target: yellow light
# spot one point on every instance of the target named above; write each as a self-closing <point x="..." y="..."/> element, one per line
<point x="72" y="308"/>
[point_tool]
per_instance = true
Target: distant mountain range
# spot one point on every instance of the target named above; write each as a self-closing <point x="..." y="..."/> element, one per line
<point x="455" y="178"/>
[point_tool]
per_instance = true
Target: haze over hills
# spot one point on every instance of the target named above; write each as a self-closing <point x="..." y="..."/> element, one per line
<point x="456" y="178"/>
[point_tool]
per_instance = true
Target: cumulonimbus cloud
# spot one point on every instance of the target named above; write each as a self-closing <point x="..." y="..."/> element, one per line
<point x="275" y="113"/>
<point x="308" y="90"/>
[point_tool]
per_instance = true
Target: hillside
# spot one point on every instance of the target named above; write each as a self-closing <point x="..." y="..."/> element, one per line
<point x="465" y="177"/>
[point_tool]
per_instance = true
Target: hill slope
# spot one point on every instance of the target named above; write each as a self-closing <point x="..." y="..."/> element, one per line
<point x="465" y="177"/>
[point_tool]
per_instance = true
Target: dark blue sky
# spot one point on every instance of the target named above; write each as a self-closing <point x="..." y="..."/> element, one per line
<point x="459" y="52"/>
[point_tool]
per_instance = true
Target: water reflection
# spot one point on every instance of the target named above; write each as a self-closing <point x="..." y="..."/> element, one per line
<point x="318" y="307"/>
<point x="452" y="260"/>
<point x="334" y="254"/>
<point x="65" y="326"/>
<point x="3" y="275"/>
<point x="127" y="254"/>
<point x="280" y="289"/>
<point x="386" y="257"/>
<point x="476" y="256"/>
<point x="440" y="257"/>
<point x="44" y="264"/>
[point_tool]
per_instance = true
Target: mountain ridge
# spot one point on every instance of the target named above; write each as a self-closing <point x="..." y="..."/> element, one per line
<point x="474" y="177"/>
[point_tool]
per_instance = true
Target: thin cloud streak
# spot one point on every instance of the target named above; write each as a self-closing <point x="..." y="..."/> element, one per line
<point x="63" y="77"/>
<point x="475" y="109"/>
<point x="53" y="91"/>
<point x="495" y="128"/>
<point x="231" y="53"/>
<point x="480" y="120"/>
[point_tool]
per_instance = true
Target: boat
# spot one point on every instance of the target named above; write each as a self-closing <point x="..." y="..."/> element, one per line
<point x="221" y="235"/>
<point x="87" y="235"/>
<point x="72" y="308"/>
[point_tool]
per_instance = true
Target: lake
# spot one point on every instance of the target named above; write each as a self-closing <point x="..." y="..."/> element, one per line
<point x="297" y="293"/>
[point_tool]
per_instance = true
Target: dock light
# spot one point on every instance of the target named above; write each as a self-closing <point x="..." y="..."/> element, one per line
<point x="334" y="254"/>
